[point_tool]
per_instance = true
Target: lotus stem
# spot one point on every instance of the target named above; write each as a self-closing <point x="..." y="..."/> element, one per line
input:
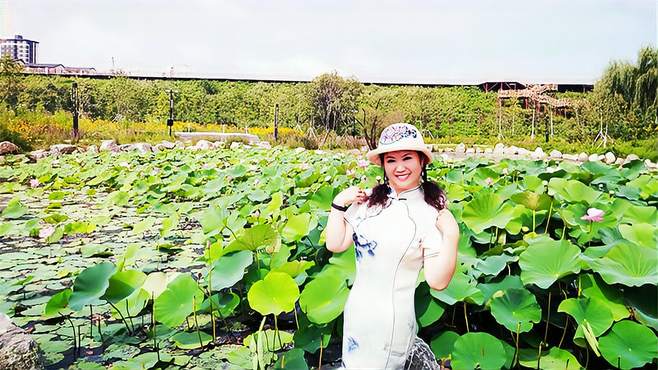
<point x="618" y="362"/>
<point x="130" y="317"/>
<point x="587" y="358"/>
<point x="564" y="332"/>
<point x="276" y="331"/>
<point x="548" y="318"/>
<point x="566" y="366"/>
<point x="548" y="220"/>
<point x="534" y="223"/>
<point x="125" y="323"/>
<point x="466" y="318"/>
<point x="212" y="313"/>
<point x="259" y="344"/>
<point x="539" y="356"/>
<point x="320" y="360"/>
<point x="564" y="230"/>
<point x="80" y="338"/>
<point x="296" y="321"/>
<point x="496" y="236"/>
<point x="75" y="343"/>
<point x="516" y="351"/>
<point x="91" y="323"/>
<point x="155" y="339"/>
<point x="196" y="322"/>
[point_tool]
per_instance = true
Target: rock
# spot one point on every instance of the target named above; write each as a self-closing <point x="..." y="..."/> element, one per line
<point x="470" y="151"/>
<point x="538" y="154"/>
<point x="7" y="147"/>
<point x="631" y="157"/>
<point x="570" y="157"/>
<point x="109" y="146"/>
<point x="203" y="145"/>
<point x="499" y="149"/>
<point x="555" y="154"/>
<point x="583" y="157"/>
<point x="593" y="157"/>
<point x="460" y="148"/>
<point x="448" y="150"/>
<point x="299" y="150"/>
<point x="510" y="150"/>
<point x="63" y="148"/>
<point x="266" y="145"/>
<point x="179" y="145"/>
<point x="143" y="148"/>
<point x="164" y="144"/>
<point x="37" y="154"/>
<point x="18" y="351"/>
<point x="619" y="161"/>
<point x="218" y="145"/>
<point x="125" y="147"/>
<point x="237" y="145"/>
<point x="609" y="158"/>
<point x="488" y="151"/>
<point x="478" y="150"/>
<point x="648" y="163"/>
<point x="92" y="149"/>
<point x="523" y="152"/>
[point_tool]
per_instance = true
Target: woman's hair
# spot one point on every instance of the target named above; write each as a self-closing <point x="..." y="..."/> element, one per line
<point x="434" y="195"/>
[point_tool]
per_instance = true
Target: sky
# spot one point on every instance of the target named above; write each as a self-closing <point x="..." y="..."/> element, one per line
<point x="412" y="41"/>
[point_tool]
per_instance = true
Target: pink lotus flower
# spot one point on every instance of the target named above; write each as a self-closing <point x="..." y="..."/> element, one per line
<point x="362" y="163"/>
<point x="593" y="215"/>
<point x="46" y="231"/>
<point x="489" y="181"/>
<point x="34" y="183"/>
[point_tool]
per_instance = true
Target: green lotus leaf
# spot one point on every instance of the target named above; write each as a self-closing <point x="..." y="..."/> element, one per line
<point x="178" y="301"/>
<point x="143" y="225"/>
<point x="631" y="213"/>
<point x="628" y="265"/>
<point x="642" y="301"/>
<point x="156" y="282"/>
<point x="443" y="344"/>
<point x="323" y="197"/>
<point x="593" y="287"/>
<point x="58" y="304"/>
<point x="258" y="195"/>
<point x="323" y="299"/>
<point x="489" y="289"/>
<point x="647" y="185"/>
<point x="478" y="351"/>
<point x="296" y="227"/>
<point x="461" y="288"/>
<point x="344" y="264"/>
<point x="275" y="294"/>
<point x="14" y="209"/>
<point x="493" y="265"/>
<point x="229" y="269"/>
<point x="91" y="285"/>
<point x="572" y="191"/>
<point x="123" y="284"/>
<point x="191" y="340"/>
<point x="428" y="310"/>
<point x="533" y="201"/>
<point x="213" y="220"/>
<point x="546" y="260"/>
<point x="516" y="309"/>
<point x="308" y="336"/>
<point x="224" y="304"/>
<point x="629" y="345"/>
<point x="272" y="337"/>
<point x="294" y="268"/>
<point x="587" y="311"/>
<point x="642" y="234"/>
<point x="254" y="238"/>
<point x="131" y="305"/>
<point x="485" y="210"/>
<point x="291" y="360"/>
<point x="554" y="359"/>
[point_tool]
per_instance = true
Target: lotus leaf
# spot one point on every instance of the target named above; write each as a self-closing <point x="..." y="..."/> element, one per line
<point x="485" y="210"/>
<point x="478" y="351"/>
<point x="323" y="299"/>
<point x="587" y="311"/>
<point x="593" y="287"/>
<point x="642" y="301"/>
<point x="296" y="227"/>
<point x="628" y="265"/>
<point x="493" y="265"/>
<point x="229" y="269"/>
<point x="554" y="359"/>
<point x="547" y="260"/>
<point x="275" y="294"/>
<point x="254" y="238"/>
<point x="443" y="344"/>
<point x="58" y="304"/>
<point x="294" y="268"/>
<point x="91" y="285"/>
<point x="642" y="234"/>
<point x="272" y="337"/>
<point x="191" y="340"/>
<point x="14" y="209"/>
<point x="123" y="284"/>
<point x="516" y="309"/>
<point x="428" y="310"/>
<point x="461" y="288"/>
<point x="572" y="191"/>
<point x="156" y="282"/>
<point x="629" y="345"/>
<point x="291" y="360"/>
<point x="177" y="301"/>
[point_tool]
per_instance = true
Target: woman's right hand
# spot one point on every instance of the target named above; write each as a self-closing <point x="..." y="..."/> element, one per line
<point x="351" y="195"/>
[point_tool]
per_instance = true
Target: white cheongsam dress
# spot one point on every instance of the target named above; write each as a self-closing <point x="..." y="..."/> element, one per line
<point x="379" y="317"/>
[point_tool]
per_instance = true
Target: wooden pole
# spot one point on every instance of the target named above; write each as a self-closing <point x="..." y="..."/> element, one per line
<point x="276" y="122"/>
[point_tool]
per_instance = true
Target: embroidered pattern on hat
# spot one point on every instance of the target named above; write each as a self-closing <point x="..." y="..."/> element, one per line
<point x="396" y="133"/>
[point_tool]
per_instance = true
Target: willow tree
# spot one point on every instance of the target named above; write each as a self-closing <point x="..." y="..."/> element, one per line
<point x="334" y="102"/>
<point x="636" y="85"/>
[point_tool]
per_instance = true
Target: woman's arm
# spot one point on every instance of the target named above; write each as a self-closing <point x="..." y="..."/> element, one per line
<point x="440" y="259"/>
<point x="339" y="232"/>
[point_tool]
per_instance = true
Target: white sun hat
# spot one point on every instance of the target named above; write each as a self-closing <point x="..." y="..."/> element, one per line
<point x="399" y="136"/>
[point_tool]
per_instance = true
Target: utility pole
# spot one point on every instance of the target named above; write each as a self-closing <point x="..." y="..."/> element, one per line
<point x="276" y="122"/>
<point x="170" y="121"/>
<point x="75" y="110"/>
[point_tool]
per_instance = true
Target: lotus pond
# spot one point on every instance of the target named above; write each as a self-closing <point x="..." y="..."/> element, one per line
<point x="216" y="259"/>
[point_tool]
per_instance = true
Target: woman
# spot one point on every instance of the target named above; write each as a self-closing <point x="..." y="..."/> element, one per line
<point x="401" y="226"/>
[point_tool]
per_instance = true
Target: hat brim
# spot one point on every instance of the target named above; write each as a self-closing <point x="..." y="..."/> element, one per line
<point x="373" y="155"/>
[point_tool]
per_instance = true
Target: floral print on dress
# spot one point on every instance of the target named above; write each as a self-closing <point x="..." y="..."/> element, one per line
<point x="352" y="344"/>
<point x="362" y="246"/>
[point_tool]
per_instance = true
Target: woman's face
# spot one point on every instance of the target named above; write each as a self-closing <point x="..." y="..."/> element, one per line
<point x="403" y="169"/>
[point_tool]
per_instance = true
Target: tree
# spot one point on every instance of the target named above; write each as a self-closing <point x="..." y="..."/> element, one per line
<point x="334" y="102"/>
<point x="10" y="81"/>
